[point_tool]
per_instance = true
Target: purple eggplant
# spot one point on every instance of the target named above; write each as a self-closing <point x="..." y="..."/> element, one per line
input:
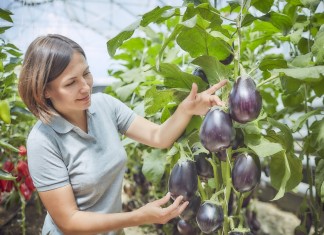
<point x="185" y="228"/>
<point x="191" y="210"/>
<point x="183" y="180"/>
<point x="203" y="166"/>
<point x="210" y="217"/>
<point x="200" y="73"/>
<point x="246" y="172"/>
<point x="245" y="101"/>
<point x="216" y="130"/>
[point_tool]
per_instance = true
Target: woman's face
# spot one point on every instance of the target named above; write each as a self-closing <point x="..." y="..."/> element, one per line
<point x="70" y="92"/>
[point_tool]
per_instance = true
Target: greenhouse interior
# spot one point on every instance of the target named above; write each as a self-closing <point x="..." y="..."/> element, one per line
<point x="160" y="117"/>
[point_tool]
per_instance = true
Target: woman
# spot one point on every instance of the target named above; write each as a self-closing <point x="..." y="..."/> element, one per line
<point x="75" y="155"/>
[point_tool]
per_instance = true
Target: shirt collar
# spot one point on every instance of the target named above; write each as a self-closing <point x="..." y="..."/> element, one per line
<point x="62" y="126"/>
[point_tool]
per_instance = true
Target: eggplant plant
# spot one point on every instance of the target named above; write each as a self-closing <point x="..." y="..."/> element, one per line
<point x="274" y="98"/>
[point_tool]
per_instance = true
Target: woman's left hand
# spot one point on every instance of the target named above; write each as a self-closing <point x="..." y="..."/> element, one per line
<point x="199" y="103"/>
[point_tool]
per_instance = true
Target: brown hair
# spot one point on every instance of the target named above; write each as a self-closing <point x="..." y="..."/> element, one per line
<point x="45" y="59"/>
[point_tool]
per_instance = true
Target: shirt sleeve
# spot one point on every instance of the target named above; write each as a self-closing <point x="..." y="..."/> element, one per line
<point x="45" y="164"/>
<point x="123" y="115"/>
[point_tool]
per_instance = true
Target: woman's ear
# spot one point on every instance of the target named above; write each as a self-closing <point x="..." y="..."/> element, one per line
<point x="47" y="94"/>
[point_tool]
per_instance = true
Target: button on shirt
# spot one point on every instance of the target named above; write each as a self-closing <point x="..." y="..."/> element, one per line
<point x="93" y="163"/>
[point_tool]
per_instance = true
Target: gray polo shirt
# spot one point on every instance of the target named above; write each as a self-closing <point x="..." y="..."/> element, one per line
<point x="92" y="163"/>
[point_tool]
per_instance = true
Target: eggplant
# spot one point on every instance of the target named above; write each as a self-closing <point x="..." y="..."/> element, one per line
<point x="216" y="131"/>
<point x="183" y="180"/>
<point x="245" y="101"/>
<point x="228" y="59"/>
<point x="246" y="172"/>
<point x="191" y="210"/>
<point x="185" y="228"/>
<point x="200" y="73"/>
<point x="210" y="217"/>
<point x="203" y="166"/>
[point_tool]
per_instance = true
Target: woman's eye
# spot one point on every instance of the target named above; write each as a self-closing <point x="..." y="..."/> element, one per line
<point x="69" y="84"/>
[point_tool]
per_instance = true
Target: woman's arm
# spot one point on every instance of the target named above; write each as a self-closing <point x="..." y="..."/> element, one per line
<point x="163" y="136"/>
<point x="61" y="205"/>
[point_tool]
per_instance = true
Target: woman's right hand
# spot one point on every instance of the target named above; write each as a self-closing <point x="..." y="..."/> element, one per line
<point x="153" y="212"/>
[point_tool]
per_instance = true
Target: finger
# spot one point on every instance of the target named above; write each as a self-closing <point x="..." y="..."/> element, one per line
<point x="217" y="101"/>
<point x="193" y="92"/>
<point x="174" y="205"/>
<point x="163" y="200"/>
<point x="217" y="86"/>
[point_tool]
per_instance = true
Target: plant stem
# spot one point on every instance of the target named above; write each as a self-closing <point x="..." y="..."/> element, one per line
<point x="201" y="190"/>
<point x="268" y="80"/>
<point x="215" y="171"/>
<point x="228" y="187"/>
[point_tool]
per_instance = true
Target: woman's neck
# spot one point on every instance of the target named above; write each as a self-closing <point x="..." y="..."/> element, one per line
<point x="78" y="119"/>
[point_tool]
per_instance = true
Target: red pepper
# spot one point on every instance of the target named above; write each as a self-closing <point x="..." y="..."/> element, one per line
<point x="29" y="183"/>
<point x="22" y="168"/>
<point x="6" y="185"/>
<point x="8" y="166"/>
<point x="24" y="190"/>
<point x="22" y="150"/>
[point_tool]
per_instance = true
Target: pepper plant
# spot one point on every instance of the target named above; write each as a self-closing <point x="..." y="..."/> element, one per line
<point x="16" y="186"/>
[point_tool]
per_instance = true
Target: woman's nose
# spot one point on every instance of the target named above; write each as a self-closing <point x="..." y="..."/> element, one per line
<point x="85" y="87"/>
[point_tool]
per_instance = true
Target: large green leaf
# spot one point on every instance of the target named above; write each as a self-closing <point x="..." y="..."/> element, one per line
<point x="262" y="5"/>
<point x="279" y="20"/>
<point x="124" y="92"/>
<point x="6" y="15"/>
<point x="154" y="165"/>
<point x="158" y="14"/>
<point x="285" y="172"/>
<point x="214" y="70"/>
<point x="156" y="100"/>
<point x="285" y="134"/>
<point x="118" y="40"/>
<point x="272" y="63"/>
<point x="264" y="148"/>
<point x="279" y="173"/>
<point x="197" y="42"/>
<point x="303" y="118"/>
<point x="318" y="46"/>
<point x="310" y="74"/>
<point x="175" y="78"/>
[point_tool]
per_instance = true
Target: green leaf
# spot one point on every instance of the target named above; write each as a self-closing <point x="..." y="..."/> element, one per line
<point x="303" y="60"/>
<point x="280" y="21"/>
<point x="158" y="14"/>
<point x="196" y="41"/>
<point x="264" y="147"/>
<point x="319" y="179"/>
<point x="6" y="15"/>
<point x="272" y="63"/>
<point x="124" y="92"/>
<point x="317" y="129"/>
<point x="318" y="46"/>
<point x="214" y="70"/>
<point x="285" y="133"/>
<point x="279" y="173"/>
<point x="303" y="118"/>
<point x="156" y="100"/>
<point x="5" y="175"/>
<point x="311" y="74"/>
<point x="154" y="165"/>
<point x="118" y="40"/>
<point x="262" y="5"/>
<point x="175" y="78"/>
